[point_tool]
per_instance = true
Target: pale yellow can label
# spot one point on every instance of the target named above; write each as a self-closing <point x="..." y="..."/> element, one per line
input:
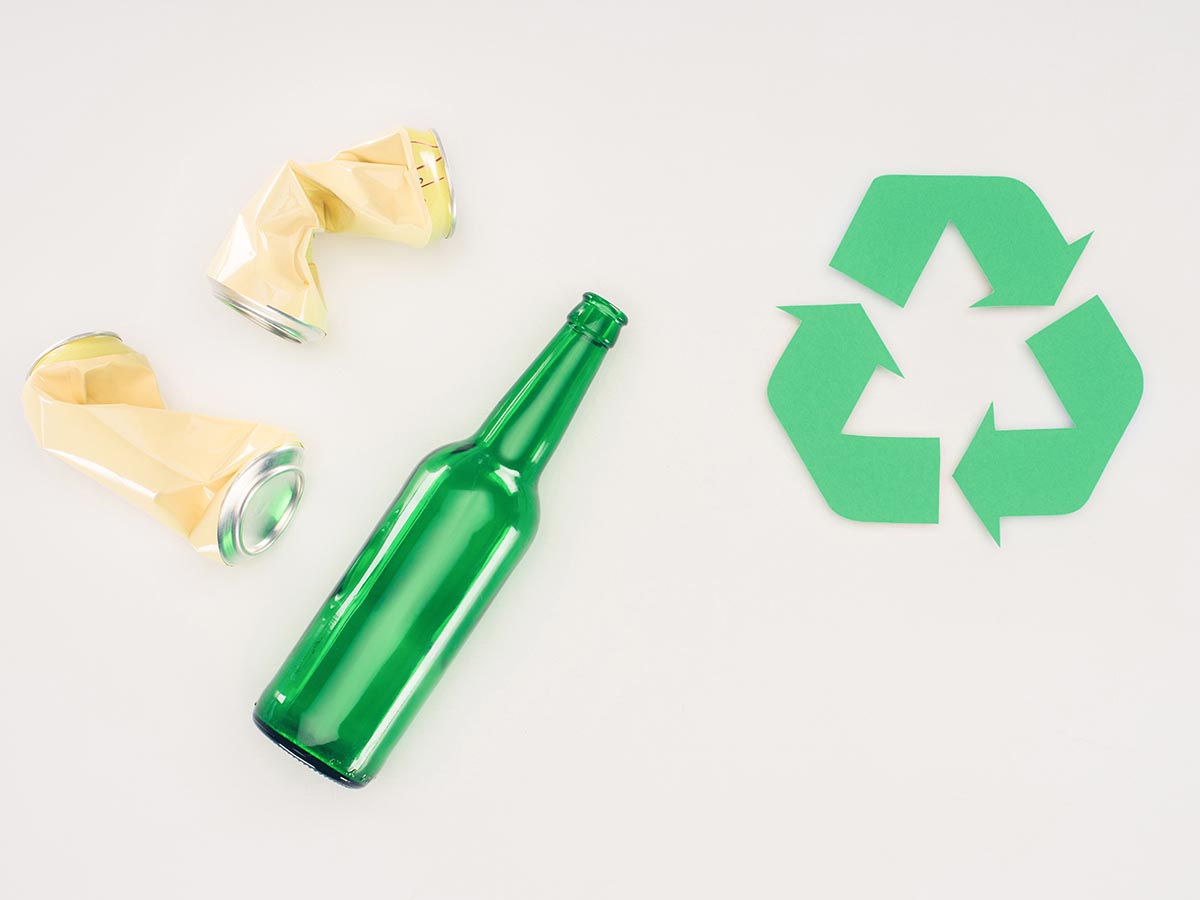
<point x="94" y="402"/>
<point x="394" y="187"/>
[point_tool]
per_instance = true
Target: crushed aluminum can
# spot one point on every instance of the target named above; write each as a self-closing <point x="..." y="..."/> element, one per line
<point x="229" y="487"/>
<point x="394" y="187"/>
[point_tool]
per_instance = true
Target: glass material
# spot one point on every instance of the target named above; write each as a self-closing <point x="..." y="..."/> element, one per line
<point x="429" y="570"/>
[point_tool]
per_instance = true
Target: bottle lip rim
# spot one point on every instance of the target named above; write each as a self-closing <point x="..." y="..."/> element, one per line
<point x="606" y="306"/>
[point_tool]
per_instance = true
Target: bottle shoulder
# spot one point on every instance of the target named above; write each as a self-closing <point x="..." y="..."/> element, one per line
<point x="473" y="456"/>
<point x="468" y="465"/>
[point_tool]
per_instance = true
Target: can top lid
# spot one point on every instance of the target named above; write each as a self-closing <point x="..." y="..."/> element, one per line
<point x="260" y="503"/>
<point x="449" y="184"/>
<point x="60" y="344"/>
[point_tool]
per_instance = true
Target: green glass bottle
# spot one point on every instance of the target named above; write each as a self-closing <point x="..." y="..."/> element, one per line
<point x="426" y="574"/>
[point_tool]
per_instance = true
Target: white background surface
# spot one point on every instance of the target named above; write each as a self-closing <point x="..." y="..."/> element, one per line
<point x="700" y="682"/>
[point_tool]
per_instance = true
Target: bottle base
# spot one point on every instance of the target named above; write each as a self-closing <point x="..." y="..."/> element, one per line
<point x="317" y="765"/>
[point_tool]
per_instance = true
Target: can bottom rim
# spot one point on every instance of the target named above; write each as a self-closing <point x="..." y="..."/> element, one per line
<point x="274" y="320"/>
<point x="260" y="504"/>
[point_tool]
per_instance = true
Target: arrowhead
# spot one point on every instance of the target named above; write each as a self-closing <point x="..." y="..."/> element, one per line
<point x="973" y="479"/>
<point x="855" y="332"/>
<point x="1044" y="280"/>
<point x="813" y="391"/>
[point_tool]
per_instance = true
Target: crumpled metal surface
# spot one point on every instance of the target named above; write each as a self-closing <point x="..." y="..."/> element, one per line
<point x="95" y="403"/>
<point x="394" y="187"/>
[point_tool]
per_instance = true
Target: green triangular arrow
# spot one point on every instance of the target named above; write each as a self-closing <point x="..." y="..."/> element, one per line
<point x="902" y="217"/>
<point x="1052" y="471"/>
<point x="814" y="389"/>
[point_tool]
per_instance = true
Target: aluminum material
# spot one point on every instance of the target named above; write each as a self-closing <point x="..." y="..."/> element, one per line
<point x="449" y="183"/>
<point x="94" y="402"/>
<point x="65" y="341"/>
<point x="275" y="321"/>
<point x="260" y="503"/>
<point x="394" y="187"/>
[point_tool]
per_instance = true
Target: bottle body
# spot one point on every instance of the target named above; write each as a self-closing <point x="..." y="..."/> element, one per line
<point x="400" y="613"/>
<point x="419" y="585"/>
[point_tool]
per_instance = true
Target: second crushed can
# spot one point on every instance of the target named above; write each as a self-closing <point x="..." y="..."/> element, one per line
<point x="430" y="568"/>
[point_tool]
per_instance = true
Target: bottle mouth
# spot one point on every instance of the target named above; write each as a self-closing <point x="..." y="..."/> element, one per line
<point x="598" y="320"/>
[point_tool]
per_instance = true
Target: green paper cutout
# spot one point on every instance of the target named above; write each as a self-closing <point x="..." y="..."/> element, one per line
<point x="1025" y="472"/>
<point x="814" y="389"/>
<point x="902" y="217"/>
<point x="1053" y="471"/>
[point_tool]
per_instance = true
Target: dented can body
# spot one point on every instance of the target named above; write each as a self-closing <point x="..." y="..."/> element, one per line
<point x="229" y="487"/>
<point x="394" y="187"/>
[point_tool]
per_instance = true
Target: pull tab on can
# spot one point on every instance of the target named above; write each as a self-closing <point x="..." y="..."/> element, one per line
<point x="394" y="187"/>
<point x="229" y="487"/>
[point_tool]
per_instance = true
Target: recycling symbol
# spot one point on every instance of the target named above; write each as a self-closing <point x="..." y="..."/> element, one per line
<point x="833" y="354"/>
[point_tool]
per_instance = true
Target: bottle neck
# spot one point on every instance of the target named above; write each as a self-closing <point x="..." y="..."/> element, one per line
<point x="526" y="426"/>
